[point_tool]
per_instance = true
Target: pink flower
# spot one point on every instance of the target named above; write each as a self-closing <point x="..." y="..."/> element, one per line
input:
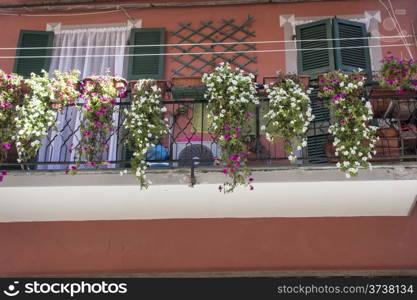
<point x="224" y="171"/>
<point x="6" y="146"/>
<point x="233" y="157"/>
<point x="4" y="172"/>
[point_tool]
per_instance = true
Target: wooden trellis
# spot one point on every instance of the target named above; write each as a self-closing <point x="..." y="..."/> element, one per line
<point x="209" y="32"/>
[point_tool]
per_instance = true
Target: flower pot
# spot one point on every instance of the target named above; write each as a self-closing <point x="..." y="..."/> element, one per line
<point x="382" y="97"/>
<point x="120" y="84"/>
<point x="393" y="142"/>
<point x="24" y="88"/>
<point x="187" y="88"/>
<point x="187" y="82"/>
<point x="387" y="133"/>
<point x="162" y="84"/>
<point x="330" y="151"/>
<point x="303" y="79"/>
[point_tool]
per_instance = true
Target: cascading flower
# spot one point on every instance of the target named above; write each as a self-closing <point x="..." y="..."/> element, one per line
<point x="145" y="125"/>
<point x="99" y="95"/>
<point x="354" y="138"/>
<point x="34" y="116"/>
<point x="65" y="88"/>
<point x="10" y="96"/>
<point x="289" y="115"/>
<point x="231" y="94"/>
<point x="397" y="74"/>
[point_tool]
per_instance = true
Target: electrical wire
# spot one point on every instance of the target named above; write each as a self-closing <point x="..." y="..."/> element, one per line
<point x="396" y="26"/>
<point x="202" y="44"/>
<point x="203" y="53"/>
<point x="60" y="15"/>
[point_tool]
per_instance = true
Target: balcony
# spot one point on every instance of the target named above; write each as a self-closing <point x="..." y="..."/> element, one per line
<point x="185" y="179"/>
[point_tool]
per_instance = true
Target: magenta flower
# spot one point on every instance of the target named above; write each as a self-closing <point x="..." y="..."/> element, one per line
<point x="6" y="146"/>
<point x="224" y="171"/>
<point x="233" y="157"/>
<point x="4" y="173"/>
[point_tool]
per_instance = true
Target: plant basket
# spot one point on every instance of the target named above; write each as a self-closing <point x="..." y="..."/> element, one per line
<point x="187" y="88"/>
<point x="162" y="84"/>
<point x="330" y="151"/>
<point x="303" y="79"/>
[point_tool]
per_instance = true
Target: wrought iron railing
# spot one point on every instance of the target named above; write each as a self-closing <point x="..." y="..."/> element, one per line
<point x="190" y="144"/>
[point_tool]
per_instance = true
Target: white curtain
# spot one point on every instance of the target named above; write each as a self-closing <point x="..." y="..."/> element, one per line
<point x="90" y="60"/>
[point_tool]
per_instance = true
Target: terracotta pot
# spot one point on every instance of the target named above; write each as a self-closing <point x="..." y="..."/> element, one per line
<point x="380" y="105"/>
<point x="162" y="84"/>
<point x="388" y="143"/>
<point x="304" y="80"/>
<point x="25" y="89"/>
<point x="385" y="151"/>
<point x="120" y="83"/>
<point x="187" y="82"/>
<point x="330" y="152"/>
<point x="387" y="133"/>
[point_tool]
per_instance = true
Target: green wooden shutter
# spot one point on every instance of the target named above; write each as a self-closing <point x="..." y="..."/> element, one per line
<point x="315" y="148"/>
<point x="356" y="55"/>
<point x="147" y="66"/>
<point x="33" y="39"/>
<point x="313" y="62"/>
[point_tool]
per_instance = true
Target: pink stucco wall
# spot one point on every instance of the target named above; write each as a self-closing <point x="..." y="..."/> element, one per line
<point x="266" y="23"/>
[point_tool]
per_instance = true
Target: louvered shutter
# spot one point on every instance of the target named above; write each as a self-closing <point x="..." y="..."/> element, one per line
<point x="315" y="35"/>
<point x="33" y="39"/>
<point x="146" y="66"/>
<point x="316" y="148"/>
<point x="355" y="54"/>
<point x="318" y="129"/>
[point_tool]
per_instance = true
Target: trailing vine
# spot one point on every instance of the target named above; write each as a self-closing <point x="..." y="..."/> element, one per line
<point x="99" y="94"/>
<point x="34" y="116"/>
<point x="10" y="96"/>
<point x="65" y="87"/>
<point x="289" y="115"/>
<point x="230" y="93"/>
<point x="145" y="125"/>
<point x="354" y="138"/>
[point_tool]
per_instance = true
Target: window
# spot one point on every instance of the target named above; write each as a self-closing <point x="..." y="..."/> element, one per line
<point x="92" y="50"/>
<point x="338" y="45"/>
<point x="344" y="44"/>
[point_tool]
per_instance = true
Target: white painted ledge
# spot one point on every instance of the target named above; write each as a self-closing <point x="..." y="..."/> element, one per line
<point x="278" y="193"/>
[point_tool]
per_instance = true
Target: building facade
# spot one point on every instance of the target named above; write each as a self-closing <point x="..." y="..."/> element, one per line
<point x="303" y="216"/>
